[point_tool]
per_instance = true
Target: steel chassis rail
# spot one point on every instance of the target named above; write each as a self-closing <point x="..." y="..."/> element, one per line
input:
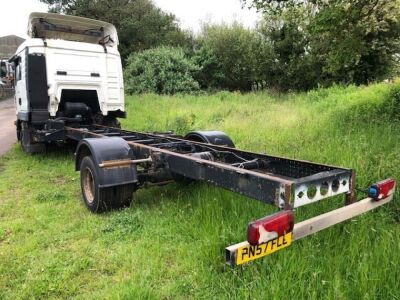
<point x="285" y="183"/>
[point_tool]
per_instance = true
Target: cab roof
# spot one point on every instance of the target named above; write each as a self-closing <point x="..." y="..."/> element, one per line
<point x="71" y="28"/>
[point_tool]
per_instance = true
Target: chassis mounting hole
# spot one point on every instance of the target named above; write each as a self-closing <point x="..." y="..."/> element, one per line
<point x="300" y="194"/>
<point x="344" y="182"/>
<point x="335" y="185"/>
<point x="324" y="189"/>
<point x="311" y="192"/>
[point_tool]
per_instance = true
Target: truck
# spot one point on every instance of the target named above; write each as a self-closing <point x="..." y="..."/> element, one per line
<point x="6" y="79"/>
<point x="7" y="73"/>
<point x="69" y="87"/>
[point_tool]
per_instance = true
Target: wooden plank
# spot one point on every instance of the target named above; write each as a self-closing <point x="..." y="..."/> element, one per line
<point x="336" y="216"/>
<point x="318" y="223"/>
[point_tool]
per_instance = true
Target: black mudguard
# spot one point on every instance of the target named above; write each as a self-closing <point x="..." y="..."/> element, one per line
<point x="106" y="149"/>
<point x="211" y="137"/>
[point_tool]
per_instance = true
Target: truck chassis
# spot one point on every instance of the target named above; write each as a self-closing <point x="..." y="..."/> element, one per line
<point x="114" y="163"/>
<point x="282" y="182"/>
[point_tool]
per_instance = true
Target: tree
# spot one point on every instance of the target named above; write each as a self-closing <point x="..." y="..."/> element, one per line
<point x="287" y="60"/>
<point x="233" y="48"/>
<point x="140" y="24"/>
<point x="355" y="42"/>
<point x="162" y="70"/>
<point x="358" y="42"/>
<point x="209" y="74"/>
<point x="60" y="6"/>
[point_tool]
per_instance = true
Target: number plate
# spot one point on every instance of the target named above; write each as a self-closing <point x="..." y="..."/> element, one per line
<point x="248" y="253"/>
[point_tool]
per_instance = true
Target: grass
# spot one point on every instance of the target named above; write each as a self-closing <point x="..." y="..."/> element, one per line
<point x="170" y="243"/>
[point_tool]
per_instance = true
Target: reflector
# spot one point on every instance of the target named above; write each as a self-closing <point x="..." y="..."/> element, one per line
<point x="382" y="189"/>
<point x="270" y="227"/>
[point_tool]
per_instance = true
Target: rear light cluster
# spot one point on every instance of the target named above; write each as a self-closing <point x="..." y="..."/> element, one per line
<point x="271" y="227"/>
<point x="382" y="189"/>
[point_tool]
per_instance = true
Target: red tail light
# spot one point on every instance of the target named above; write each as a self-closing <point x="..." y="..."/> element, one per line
<point x="271" y="227"/>
<point x="382" y="189"/>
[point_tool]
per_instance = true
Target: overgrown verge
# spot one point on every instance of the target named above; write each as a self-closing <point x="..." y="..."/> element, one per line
<point x="170" y="243"/>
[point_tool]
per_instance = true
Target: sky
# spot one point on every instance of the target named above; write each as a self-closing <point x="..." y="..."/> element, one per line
<point x="192" y="12"/>
<point x="14" y="13"/>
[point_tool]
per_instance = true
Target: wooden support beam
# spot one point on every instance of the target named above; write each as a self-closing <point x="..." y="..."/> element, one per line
<point x="318" y="223"/>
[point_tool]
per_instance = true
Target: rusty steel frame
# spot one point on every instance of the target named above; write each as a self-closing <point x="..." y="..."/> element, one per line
<point x="276" y="182"/>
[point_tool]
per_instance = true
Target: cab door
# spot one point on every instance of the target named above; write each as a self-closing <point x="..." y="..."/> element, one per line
<point x="21" y="101"/>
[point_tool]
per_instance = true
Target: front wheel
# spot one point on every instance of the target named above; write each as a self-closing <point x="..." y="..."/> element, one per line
<point x="97" y="199"/>
<point x="112" y="122"/>
<point x="108" y="121"/>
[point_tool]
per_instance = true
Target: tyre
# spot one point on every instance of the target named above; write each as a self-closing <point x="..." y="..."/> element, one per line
<point x="207" y="137"/>
<point x="99" y="200"/>
<point x="18" y="130"/>
<point x="27" y="143"/>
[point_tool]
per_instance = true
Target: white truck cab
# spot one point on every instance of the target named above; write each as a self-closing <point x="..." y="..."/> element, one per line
<point x="68" y="71"/>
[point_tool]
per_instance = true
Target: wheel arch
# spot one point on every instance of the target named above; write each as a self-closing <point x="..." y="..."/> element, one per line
<point x="210" y="137"/>
<point x="106" y="149"/>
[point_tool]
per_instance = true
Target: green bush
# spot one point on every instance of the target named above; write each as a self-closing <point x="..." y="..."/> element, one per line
<point x="210" y="72"/>
<point x="228" y="57"/>
<point x="162" y="70"/>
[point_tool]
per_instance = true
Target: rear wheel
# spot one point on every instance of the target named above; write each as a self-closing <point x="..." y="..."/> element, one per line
<point x="97" y="199"/>
<point x="207" y="137"/>
<point x="218" y="138"/>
